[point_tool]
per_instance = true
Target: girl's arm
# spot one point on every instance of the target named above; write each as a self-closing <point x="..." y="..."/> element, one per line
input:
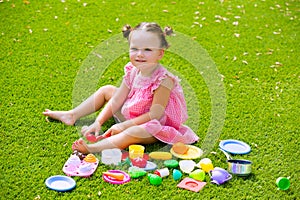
<point x="159" y="103"/>
<point x="114" y="104"/>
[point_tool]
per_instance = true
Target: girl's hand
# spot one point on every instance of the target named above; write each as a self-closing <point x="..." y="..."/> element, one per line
<point x="115" y="129"/>
<point x="93" y="128"/>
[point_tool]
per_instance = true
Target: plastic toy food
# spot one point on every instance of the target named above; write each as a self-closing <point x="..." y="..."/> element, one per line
<point x="139" y="162"/>
<point x="114" y="177"/>
<point x="206" y="164"/>
<point x="160" y="155"/>
<point x="85" y="168"/>
<point x="162" y="172"/>
<point x="92" y="138"/>
<point x="198" y="175"/>
<point x="154" y="179"/>
<point x="171" y="163"/>
<point x="90" y="158"/>
<point x="74" y="160"/>
<point x="117" y="176"/>
<point x="79" y="154"/>
<point x="176" y="174"/>
<point x="180" y="148"/>
<point x="136" y="172"/>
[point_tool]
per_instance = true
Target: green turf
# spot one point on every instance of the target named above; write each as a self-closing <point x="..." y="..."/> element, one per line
<point x="253" y="44"/>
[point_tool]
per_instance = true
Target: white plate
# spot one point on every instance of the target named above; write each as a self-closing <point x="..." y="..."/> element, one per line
<point x="235" y="146"/>
<point x="60" y="183"/>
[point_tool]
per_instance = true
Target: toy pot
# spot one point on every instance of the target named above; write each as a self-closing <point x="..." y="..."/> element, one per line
<point x="219" y="176"/>
<point x="238" y="166"/>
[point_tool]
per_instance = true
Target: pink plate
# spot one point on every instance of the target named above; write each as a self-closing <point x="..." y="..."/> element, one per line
<point x="115" y="181"/>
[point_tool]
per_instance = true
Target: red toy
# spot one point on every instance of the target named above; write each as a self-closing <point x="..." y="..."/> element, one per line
<point x="92" y="138"/>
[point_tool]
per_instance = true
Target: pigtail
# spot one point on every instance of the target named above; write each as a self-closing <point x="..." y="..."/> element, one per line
<point x="126" y="30"/>
<point x="168" y="31"/>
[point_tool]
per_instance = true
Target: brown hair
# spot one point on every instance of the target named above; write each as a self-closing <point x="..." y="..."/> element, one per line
<point x="150" y="27"/>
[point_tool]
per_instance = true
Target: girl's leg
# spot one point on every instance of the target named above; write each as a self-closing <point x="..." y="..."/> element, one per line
<point x="90" y="105"/>
<point x="132" y="135"/>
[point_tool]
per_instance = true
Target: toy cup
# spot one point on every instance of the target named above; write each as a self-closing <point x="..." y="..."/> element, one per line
<point x="136" y="151"/>
<point x="283" y="183"/>
<point x="111" y="156"/>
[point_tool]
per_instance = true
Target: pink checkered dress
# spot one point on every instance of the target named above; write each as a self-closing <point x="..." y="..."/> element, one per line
<point x="169" y="129"/>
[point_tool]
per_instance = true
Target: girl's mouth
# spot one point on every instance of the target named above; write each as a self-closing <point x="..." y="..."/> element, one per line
<point x="140" y="60"/>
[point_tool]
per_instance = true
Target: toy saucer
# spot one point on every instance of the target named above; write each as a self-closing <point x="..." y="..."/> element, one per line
<point x="149" y="167"/>
<point x="235" y="146"/>
<point x="60" y="183"/>
<point x="77" y="170"/>
<point x="193" y="153"/>
<point x="191" y="184"/>
<point x="112" y="180"/>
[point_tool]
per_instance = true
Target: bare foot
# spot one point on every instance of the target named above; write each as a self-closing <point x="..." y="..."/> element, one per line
<point x="80" y="146"/>
<point x="65" y="117"/>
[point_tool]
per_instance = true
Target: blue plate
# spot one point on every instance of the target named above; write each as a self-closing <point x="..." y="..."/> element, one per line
<point x="235" y="146"/>
<point x="60" y="183"/>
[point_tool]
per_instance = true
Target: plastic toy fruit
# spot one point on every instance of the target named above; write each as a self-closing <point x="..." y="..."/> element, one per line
<point x="139" y="162"/>
<point x="206" y="164"/>
<point x="180" y="148"/>
<point x="160" y="155"/>
<point x="154" y="179"/>
<point x="198" y="175"/>
<point x="117" y="176"/>
<point x="176" y="174"/>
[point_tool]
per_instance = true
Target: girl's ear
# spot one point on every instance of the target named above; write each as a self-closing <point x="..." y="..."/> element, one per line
<point x="161" y="54"/>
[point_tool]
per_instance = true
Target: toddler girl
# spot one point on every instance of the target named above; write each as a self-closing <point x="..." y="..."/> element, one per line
<point x="149" y="104"/>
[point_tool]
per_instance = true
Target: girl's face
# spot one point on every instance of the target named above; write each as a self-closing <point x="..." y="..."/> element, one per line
<point x="145" y="51"/>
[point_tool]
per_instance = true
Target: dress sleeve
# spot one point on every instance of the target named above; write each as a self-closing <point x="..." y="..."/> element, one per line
<point x="128" y="74"/>
<point x="159" y="80"/>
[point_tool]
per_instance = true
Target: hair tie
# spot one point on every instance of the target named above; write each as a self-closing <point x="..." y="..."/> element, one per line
<point x="168" y="30"/>
<point x="126" y="30"/>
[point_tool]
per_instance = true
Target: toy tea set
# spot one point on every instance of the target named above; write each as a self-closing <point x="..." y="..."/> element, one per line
<point x="140" y="165"/>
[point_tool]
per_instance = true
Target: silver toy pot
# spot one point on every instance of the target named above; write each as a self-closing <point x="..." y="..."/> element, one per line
<point x="237" y="166"/>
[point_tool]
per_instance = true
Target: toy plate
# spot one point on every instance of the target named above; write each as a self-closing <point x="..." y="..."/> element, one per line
<point x="149" y="167"/>
<point x="60" y="183"/>
<point x="71" y="171"/>
<point x="115" y="181"/>
<point x="235" y="146"/>
<point x="193" y="153"/>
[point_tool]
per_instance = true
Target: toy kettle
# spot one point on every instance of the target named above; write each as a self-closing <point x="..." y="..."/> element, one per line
<point x="219" y="176"/>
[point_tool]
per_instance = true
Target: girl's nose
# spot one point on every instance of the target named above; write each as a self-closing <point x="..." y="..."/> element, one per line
<point x="140" y="52"/>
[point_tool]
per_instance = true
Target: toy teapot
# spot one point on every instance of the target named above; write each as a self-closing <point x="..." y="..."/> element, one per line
<point x="219" y="176"/>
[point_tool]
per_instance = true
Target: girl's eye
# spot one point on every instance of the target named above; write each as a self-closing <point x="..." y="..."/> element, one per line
<point x="147" y="49"/>
<point x="133" y="49"/>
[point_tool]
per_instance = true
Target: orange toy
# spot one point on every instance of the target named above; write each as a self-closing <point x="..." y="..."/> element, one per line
<point x="117" y="176"/>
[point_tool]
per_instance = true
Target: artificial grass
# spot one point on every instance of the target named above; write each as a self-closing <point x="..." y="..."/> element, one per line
<point x="254" y="46"/>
